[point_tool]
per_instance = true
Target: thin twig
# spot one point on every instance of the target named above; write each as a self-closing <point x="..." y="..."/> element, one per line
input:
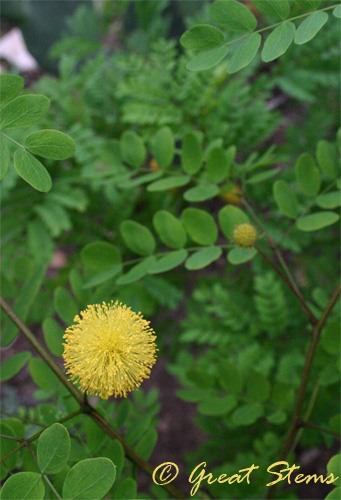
<point x="37" y="434"/>
<point x="41" y="350"/>
<point x="18" y="440"/>
<point x="305" y="306"/>
<point x="307" y="414"/>
<point x="290" y="280"/>
<point x="302" y="423"/>
<point x="28" y="444"/>
<point x="295" y="423"/>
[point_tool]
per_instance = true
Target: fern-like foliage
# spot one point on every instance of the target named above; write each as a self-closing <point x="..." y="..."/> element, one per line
<point x="149" y="91"/>
<point x="215" y="316"/>
<point x="270" y="303"/>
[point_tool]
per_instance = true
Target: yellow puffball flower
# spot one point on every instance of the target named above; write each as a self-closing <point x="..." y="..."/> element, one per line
<point x="109" y="350"/>
<point x="245" y="235"/>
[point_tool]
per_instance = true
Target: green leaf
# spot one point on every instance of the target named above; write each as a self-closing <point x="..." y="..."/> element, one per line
<point x="13" y="365"/>
<point x="244" y="54"/>
<point x="191" y="153"/>
<point x="6" y="446"/>
<point x="201" y="193"/>
<point x="95" y="436"/>
<point x="137" y="237"/>
<point x="32" y="171"/>
<point x="337" y="11"/>
<point x="277" y="417"/>
<point x="39" y="241"/>
<point x="335" y="494"/>
<point x="230" y="378"/>
<point x="329" y="200"/>
<point x="203" y="258"/>
<point x="5" y="158"/>
<point x="53" y="449"/>
<point x="23" y="486"/>
<point x="168" y="262"/>
<point x="42" y="375"/>
<point x="128" y="183"/>
<point x="258" y="387"/>
<point x="133" y="150"/>
<point x="239" y="255"/>
<point x="327" y="157"/>
<point x="53" y="336"/>
<point x="278" y="41"/>
<point x="200" y="226"/>
<point x="127" y="490"/>
<point x="169" y="229"/>
<point x="217" y="406"/>
<point x="317" y="221"/>
<point x="103" y="276"/>
<point x="308" y="175"/>
<point x="230" y="217"/>
<point x="23" y="111"/>
<point x="193" y="395"/>
<point x="89" y="479"/>
<point x="330" y="340"/>
<point x="208" y="59"/>
<point x="338" y="140"/>
<point x="310" y="27"/>
<point x="202" y="37"/>
<point x="285" y="199"/>
<point x="334" y="467"/>
<point x="329" y="375"/>
<point x="233" y="15"/>
<point x="147" y="444"/>
<point x="100" y="256"/>
<point x="217" y="166"/>
<point x="263" y="176"/>
<point x="24" y="301"/>
<point x="115" y="452"/>
<point x="50" y="144"/>
<point x="163" y="147"/>
<point x="314" y="4"/>
<point x="247" y="414"/>
<point x="65" y="306"/>
<point x="137" y="272"/>
<point x="10" y="87"/>
<point x="168" y="183"/>
<point x="275" y="9"/>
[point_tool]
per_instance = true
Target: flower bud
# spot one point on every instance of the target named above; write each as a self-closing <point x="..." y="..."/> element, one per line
<point x="245" y="235"/>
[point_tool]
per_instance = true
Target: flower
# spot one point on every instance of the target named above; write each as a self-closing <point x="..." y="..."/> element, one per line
<point x="109" y="350"/>
<point x="245" y="235"/>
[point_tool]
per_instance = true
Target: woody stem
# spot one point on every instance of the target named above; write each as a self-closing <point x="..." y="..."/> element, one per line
<point x="85" y="406"/>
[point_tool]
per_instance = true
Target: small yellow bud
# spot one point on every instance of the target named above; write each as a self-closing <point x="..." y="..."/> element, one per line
<point x="232" y="194"/>
<point x="245" y="235"/>
<point x="153" y="165"/>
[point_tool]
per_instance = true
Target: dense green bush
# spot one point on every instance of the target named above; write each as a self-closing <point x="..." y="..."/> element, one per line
<point x="200" y="187"/>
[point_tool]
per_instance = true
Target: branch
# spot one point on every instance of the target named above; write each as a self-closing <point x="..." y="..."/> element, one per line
<point x="23" y="442"/>
<point x="288" y="280"/>
<point x="41" y="350"/>
<point x="302" y="423"/>
<point x="277" y="24"/>
<point x="296" y="423"/>
<point x="85" y="406"/>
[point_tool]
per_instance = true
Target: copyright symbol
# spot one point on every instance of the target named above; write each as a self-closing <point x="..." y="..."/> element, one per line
<point x="159" y="473"/>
